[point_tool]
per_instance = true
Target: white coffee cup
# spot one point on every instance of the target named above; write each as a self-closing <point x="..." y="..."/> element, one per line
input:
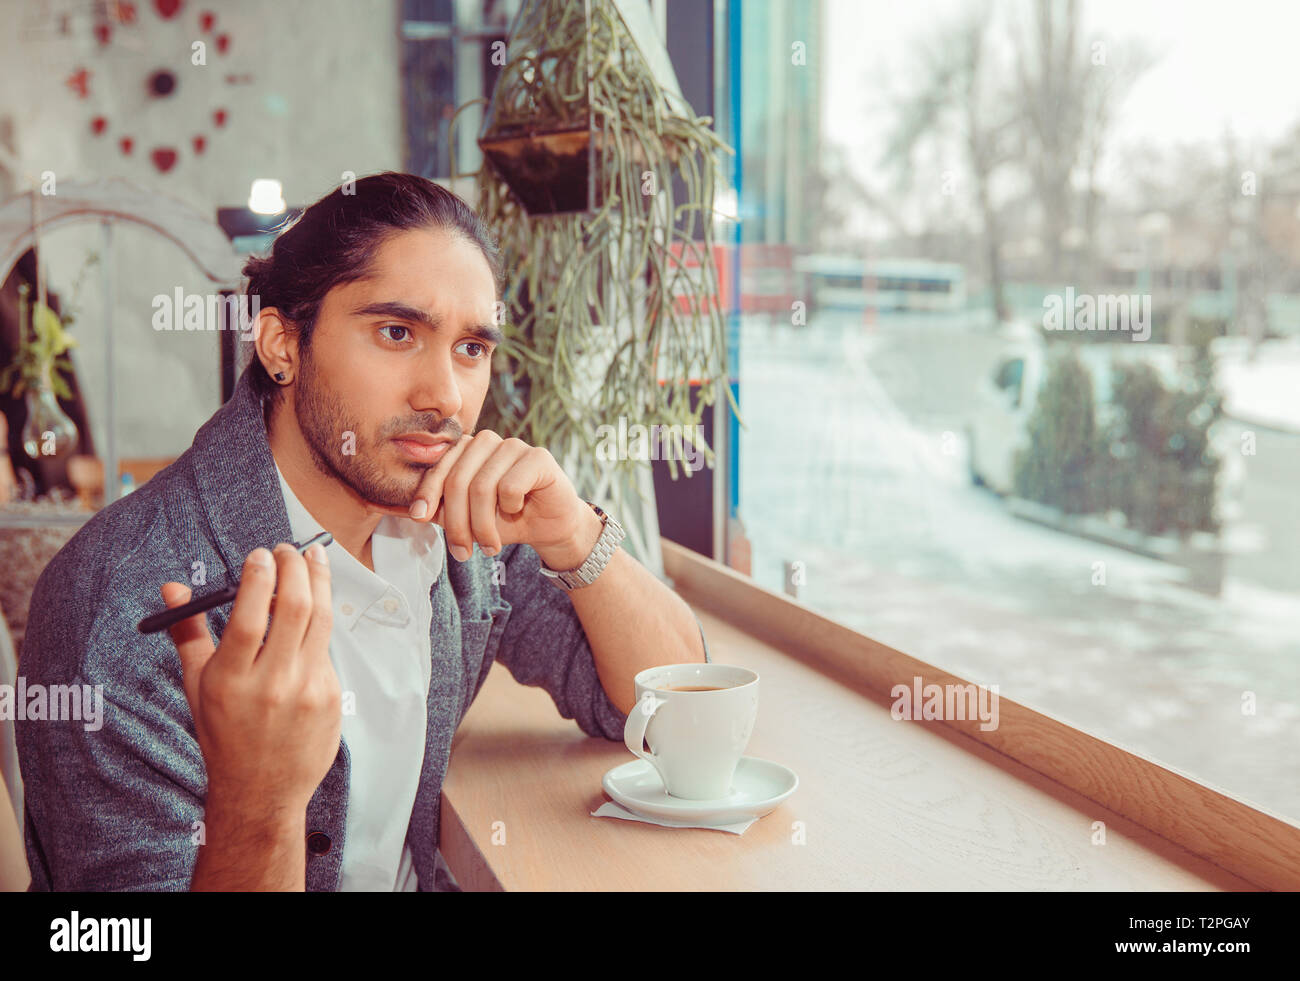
<point x="696" y="737"/>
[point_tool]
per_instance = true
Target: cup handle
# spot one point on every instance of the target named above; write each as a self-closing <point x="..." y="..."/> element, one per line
<point x="638" y="720"/>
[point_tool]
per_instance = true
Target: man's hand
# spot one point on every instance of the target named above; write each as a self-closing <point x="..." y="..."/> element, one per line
<point x="268" y="714"/>
<point x="496" y="492"/>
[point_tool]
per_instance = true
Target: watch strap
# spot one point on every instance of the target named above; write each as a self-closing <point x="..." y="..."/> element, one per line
<point x="611" y="534"/>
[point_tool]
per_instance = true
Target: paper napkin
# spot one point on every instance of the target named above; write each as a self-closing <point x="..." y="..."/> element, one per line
<point x="612" y="810"/>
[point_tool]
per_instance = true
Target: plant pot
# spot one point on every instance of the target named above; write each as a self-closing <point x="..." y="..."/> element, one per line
<point x="549" y="172"/>
<point x="539" y="130"/>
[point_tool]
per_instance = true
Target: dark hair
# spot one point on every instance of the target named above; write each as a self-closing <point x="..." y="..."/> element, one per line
<point x="334" y="241"/>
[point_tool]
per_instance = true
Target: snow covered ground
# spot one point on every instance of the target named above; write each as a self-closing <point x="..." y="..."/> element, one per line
<point x="853" y="463"/>
<point x="1264" y="390"/>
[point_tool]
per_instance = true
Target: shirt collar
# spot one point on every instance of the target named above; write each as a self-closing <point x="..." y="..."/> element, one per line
<point x="394" y="541"/>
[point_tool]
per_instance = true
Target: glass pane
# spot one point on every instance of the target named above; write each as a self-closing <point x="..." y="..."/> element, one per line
<point x="430" y="102"/>
<point x="1027" y="408"/>
<point x="448" y="60"/>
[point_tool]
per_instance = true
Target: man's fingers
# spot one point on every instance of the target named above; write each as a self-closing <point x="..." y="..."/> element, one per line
<point x="455" y="494"/>
<point x="192" y="638"/>
<point x="430" y="489"/>
<point x="485" y="489"/>
<point x="246" y="627"/>
<point x="293" y="610"/>
<point x="322" y="611"/>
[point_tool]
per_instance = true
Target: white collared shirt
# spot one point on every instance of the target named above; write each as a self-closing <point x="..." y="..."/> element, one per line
<point x="380" y="649"/>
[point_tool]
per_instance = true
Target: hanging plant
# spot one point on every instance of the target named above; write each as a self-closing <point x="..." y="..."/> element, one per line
<point x="40" y="360"/>
<point x="42" y="352"/>
<point x="611" y="300"/>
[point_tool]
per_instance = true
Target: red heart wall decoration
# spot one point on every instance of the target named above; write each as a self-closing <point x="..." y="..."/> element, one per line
<point x="79" y="82"/>
<point x="164" y="158"/>
<point x="123" y="12"/>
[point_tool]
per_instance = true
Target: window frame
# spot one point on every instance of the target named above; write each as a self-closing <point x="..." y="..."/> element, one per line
<point x="1261" y="847"/>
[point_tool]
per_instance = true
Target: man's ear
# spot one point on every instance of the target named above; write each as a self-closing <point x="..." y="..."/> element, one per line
<point x="275" y="342"/>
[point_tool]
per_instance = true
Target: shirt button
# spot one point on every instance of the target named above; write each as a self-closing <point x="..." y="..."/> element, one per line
<point x="318" y="843"/>
<point x="390" y="605"/>
<point x="347" y="609"/>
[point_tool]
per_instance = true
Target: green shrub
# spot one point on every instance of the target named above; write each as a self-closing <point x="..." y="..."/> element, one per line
<point x="1161" y="470"/>
<point x="1058" y="466"/>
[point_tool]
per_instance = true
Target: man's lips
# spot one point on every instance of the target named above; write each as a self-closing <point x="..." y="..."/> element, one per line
<point x="421" y="448"/>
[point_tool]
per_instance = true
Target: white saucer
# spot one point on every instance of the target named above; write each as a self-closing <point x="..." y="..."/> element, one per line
<point x="757" y="788"/>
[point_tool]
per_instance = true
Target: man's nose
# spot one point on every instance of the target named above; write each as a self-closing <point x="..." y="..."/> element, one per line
<point x="435" y="387"/>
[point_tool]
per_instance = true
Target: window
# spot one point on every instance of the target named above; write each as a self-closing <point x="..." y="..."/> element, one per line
<point x="1008" y="376"/>
<point x="1111" y="233"/>
<point x="447" y="60"/>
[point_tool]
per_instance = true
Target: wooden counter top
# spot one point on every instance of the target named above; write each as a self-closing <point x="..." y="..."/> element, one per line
<point x="883" y="804"/>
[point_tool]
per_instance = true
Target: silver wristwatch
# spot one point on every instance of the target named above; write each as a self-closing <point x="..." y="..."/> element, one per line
<point x="584" y="575"/>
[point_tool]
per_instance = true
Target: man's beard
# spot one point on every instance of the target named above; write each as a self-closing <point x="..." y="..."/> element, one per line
<point x="323" y="419"/>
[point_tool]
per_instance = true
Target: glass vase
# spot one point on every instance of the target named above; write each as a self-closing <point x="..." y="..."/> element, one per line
<point x="48" y="432"/>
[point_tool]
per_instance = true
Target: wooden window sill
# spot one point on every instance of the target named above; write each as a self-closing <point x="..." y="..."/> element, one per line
<point x="881" y="804"/>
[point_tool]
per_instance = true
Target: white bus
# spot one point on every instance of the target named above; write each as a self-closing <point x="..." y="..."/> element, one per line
<point x="883" y="285"/>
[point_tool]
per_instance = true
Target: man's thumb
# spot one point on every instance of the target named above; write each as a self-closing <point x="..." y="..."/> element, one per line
<point x="191" y="636"/>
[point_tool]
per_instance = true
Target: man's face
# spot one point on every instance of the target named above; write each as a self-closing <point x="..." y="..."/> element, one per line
<point x="406" y="351"/>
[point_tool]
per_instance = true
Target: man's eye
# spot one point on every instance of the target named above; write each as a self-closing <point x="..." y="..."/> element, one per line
<point x="482" y="349"/>
<point x="396" y="340"/>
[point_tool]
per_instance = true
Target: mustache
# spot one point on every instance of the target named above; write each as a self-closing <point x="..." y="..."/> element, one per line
<point x="448" y="427"/>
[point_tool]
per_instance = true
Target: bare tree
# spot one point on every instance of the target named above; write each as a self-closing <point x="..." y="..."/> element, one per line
<point x="1069" y="89"/>
<point x="1113" y="70"/>
<point x="985" y="149"/>
<point x="1052" y="75"/>
<point x="959" y="99"/>
<point x="834" y="192"/>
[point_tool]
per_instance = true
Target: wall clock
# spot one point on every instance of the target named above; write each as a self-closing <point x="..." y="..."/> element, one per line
<point x="162" y="37"/>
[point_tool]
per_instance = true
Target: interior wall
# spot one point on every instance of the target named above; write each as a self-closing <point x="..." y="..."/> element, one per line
<point x="308" y="89"/>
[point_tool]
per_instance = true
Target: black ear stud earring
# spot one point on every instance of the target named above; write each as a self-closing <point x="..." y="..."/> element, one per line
<point x="279" y="376"/>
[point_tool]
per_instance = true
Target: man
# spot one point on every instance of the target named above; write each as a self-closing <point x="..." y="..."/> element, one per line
<point x="313" y="757"/>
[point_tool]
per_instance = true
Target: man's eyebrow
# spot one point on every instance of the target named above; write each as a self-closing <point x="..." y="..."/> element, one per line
<point x="404" y="311"/>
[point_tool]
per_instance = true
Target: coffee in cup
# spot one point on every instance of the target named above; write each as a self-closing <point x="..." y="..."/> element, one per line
<point x="692" y="688"/>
